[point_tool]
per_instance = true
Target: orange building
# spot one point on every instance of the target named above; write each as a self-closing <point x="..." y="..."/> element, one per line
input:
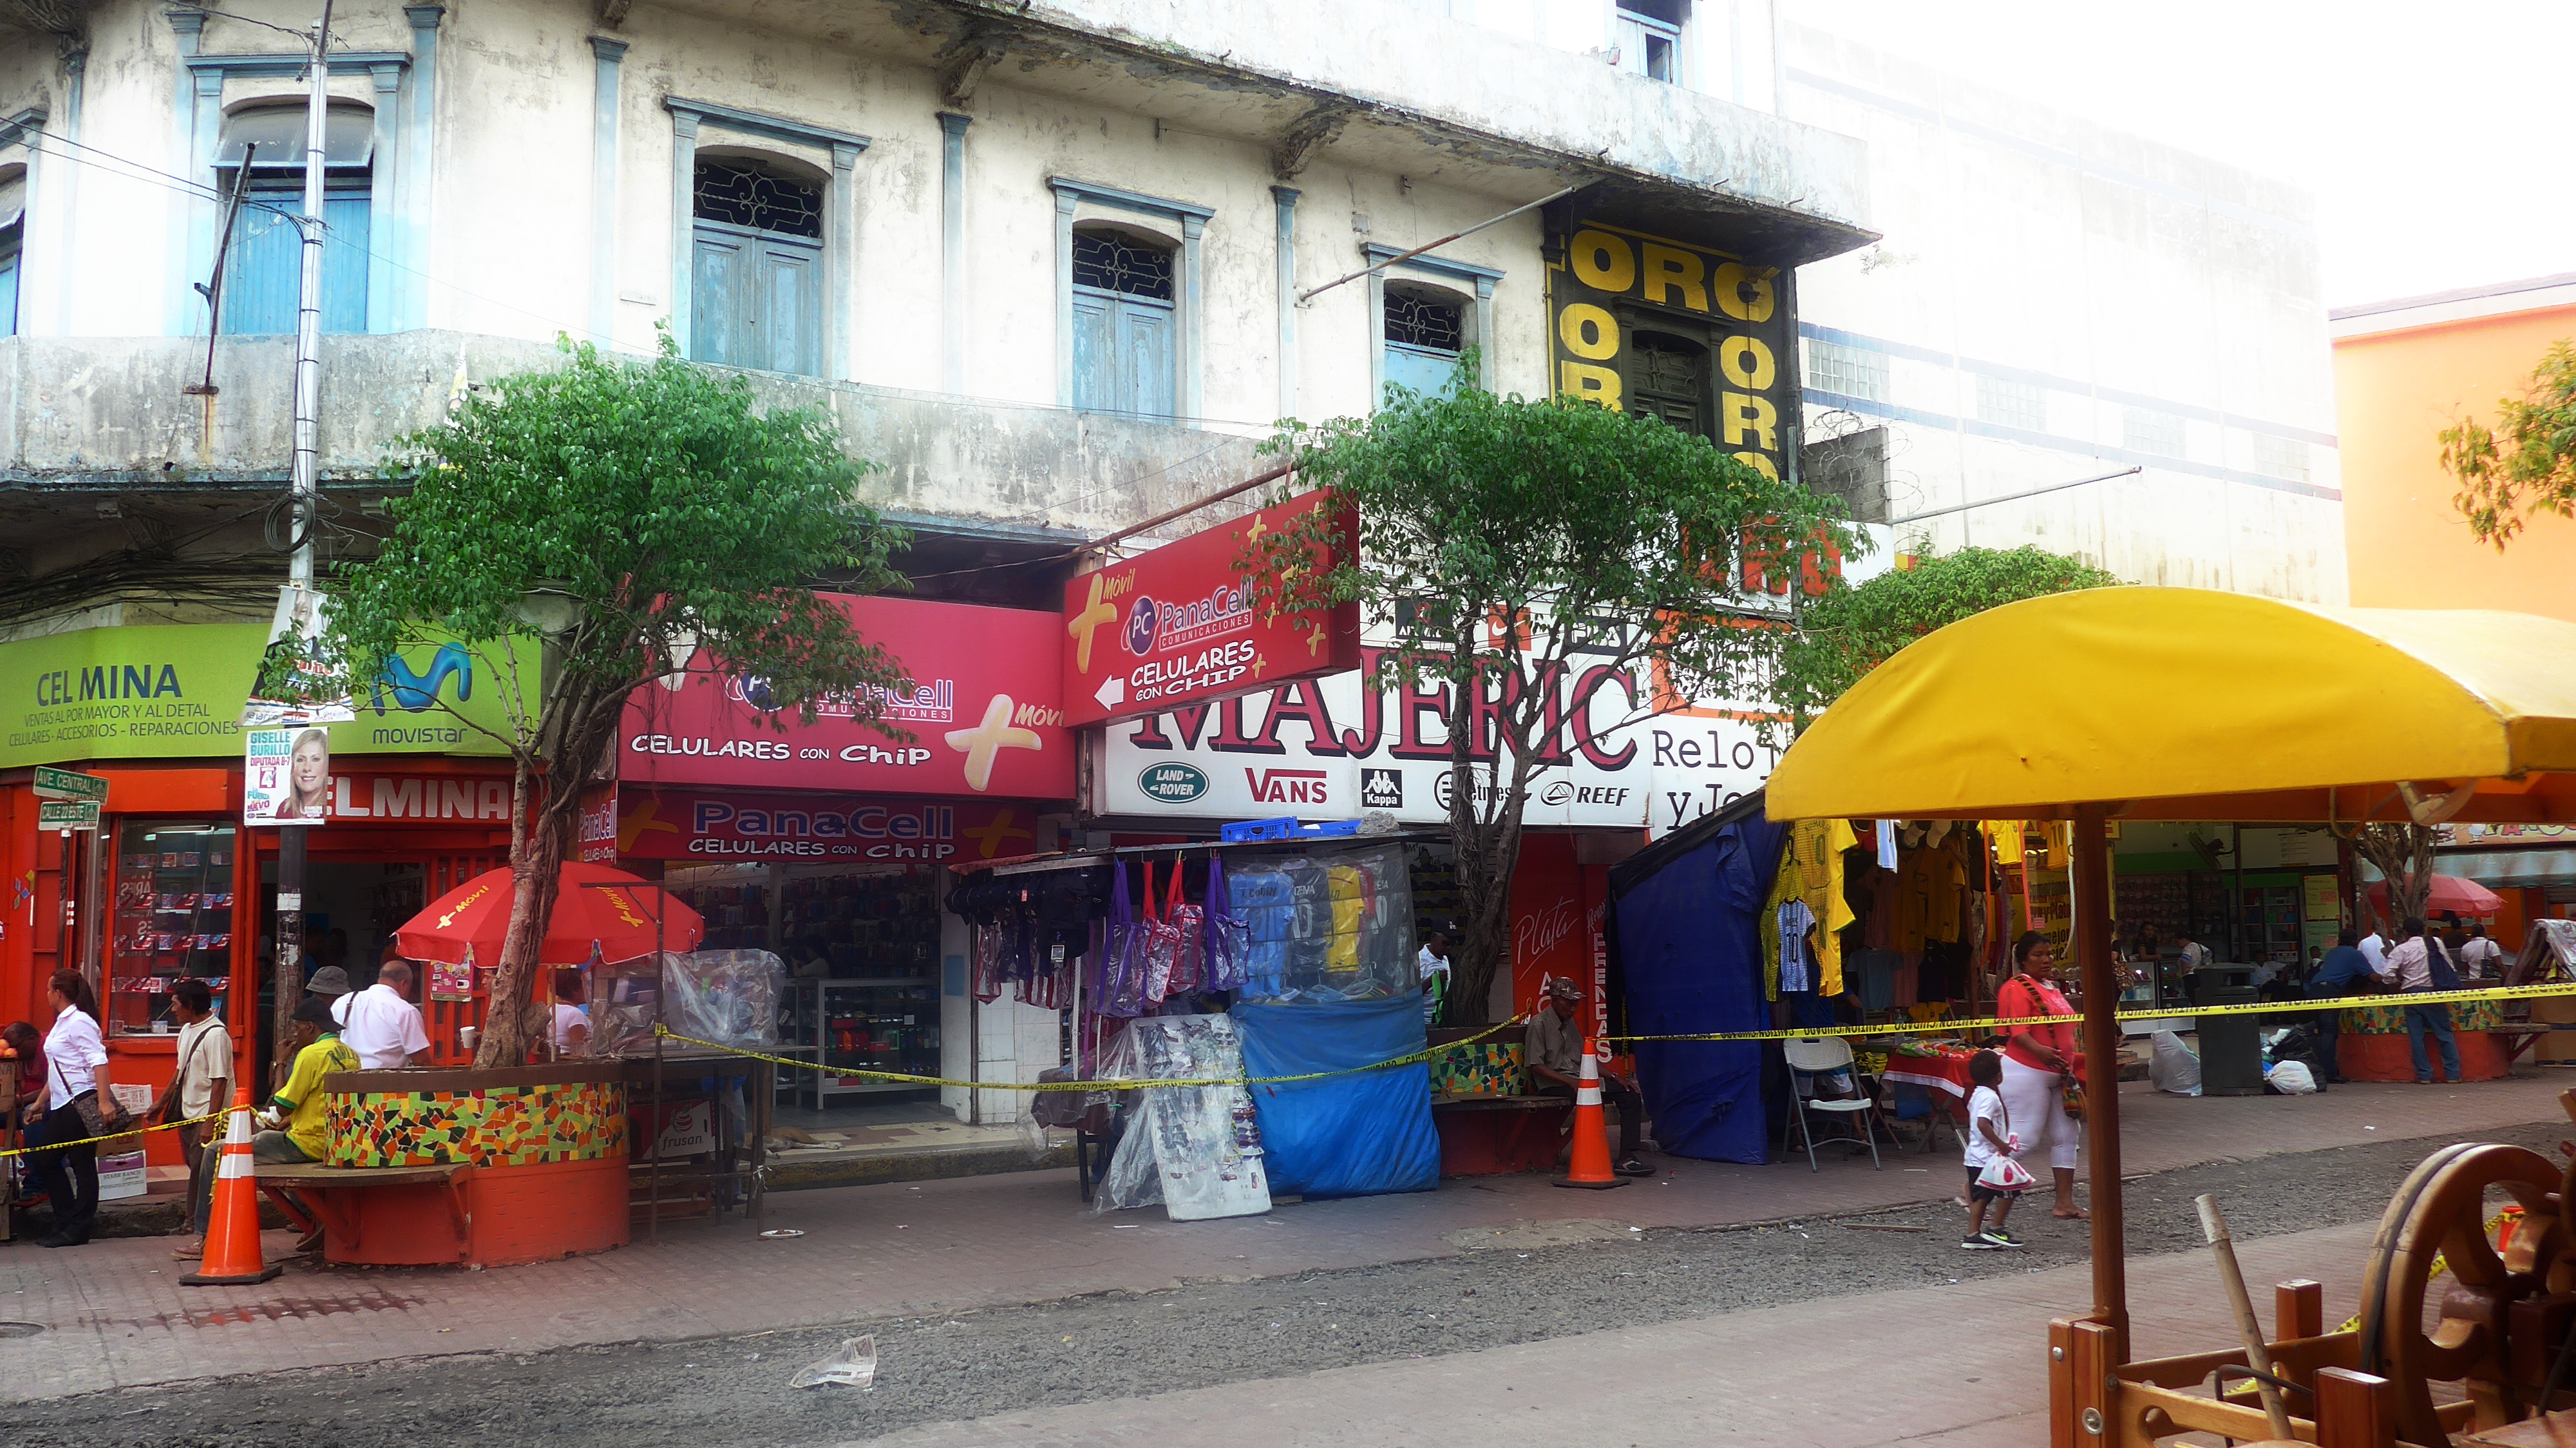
<point x="2404" y="370"/>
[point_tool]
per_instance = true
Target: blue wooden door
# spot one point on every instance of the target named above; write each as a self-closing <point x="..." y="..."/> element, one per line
<point x="9" y="284"/>
<point x="756" y="300"/>
<point x="1123" y="354"/>
<point x="264" y="268"/>
<point x="1423" y="370"/>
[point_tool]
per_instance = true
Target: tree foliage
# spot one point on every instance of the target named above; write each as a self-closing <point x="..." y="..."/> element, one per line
<point x="1850" y="631"/>
<point x="643" y="519"/>
<point x="1532" y="563"/>
<point x="2526" y="463"/>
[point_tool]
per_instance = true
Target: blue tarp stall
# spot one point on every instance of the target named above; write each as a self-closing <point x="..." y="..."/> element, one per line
<point x="1345" y="1136"/>
<point x="1686" y="957"/>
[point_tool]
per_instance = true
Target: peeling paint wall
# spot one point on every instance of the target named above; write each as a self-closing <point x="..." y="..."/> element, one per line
<point x="2054" y="300"/>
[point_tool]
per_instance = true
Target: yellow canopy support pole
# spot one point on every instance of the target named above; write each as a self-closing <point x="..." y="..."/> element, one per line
<point x="2089" y="886"/>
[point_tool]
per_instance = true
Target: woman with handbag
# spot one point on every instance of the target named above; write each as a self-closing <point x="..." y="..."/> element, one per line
<point x="77" y="1108"/>
<point x="2043" y="1071"/>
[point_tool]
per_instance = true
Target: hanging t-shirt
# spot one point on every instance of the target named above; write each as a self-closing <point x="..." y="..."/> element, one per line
<point x="1927" y="897"/>
<point x="1796" y="920"/>
<point x="1878" y="931"/>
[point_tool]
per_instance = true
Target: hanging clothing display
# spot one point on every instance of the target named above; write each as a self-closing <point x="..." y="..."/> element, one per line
<point x="1795" y="922"/>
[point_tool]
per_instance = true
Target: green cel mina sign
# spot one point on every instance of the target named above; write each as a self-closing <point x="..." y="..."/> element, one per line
<point x="174" y="691"/>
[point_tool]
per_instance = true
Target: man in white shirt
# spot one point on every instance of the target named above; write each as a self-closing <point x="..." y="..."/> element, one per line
<point x="2480" y="956"/>
<point x="381" y="1024"/>
<point x="2410" y="969"/>
<point x="1433" y="963"/>
<point x="2374" y="948"/>
<point x="203" y="1084"/>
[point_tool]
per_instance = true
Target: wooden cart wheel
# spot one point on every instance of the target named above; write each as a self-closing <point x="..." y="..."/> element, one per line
<point x="2441" y="1211"/>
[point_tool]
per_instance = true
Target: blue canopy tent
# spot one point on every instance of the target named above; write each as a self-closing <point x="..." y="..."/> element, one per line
<point x="1686" y="957"/>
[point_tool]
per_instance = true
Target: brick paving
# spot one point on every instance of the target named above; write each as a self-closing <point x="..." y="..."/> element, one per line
<point x="116" y="1316"/>
<point x="1772" y="1375"/>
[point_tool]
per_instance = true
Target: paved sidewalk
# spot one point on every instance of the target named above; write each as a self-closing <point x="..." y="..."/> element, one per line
<point x="115" y="1315"/>
<point x="1774" y="1375"/>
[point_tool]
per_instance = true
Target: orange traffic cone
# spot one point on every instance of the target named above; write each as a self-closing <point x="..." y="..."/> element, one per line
<point x="232" y="1227"/>
<point x="1591" y="1164"/>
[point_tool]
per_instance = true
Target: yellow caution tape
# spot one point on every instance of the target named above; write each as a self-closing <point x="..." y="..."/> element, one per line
<point x="2257" y="1008"/>
<point x="1408" y="1059"/>
<point x="120" y="1136"/>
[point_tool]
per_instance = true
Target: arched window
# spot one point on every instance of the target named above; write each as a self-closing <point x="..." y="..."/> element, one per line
<point x="1668" y="378"/>
<point x="756" y="284"/>
<point x="1426" y="334"/>
<point x="264" y="260"/>
<point x="13" y="231"/>
<point x="1124" y="353"/>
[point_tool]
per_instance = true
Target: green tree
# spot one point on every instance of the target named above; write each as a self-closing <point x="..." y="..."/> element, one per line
<point x="641" y="519"/>
<point x="1850" y="631"/>
<point x="1538" y="564"/>
<point x="2526" y="463"/>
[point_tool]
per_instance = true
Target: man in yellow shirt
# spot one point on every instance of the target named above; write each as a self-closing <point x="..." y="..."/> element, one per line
<point x="298" y="1130"/>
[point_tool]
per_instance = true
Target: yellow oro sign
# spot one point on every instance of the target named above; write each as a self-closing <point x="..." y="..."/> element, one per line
<point x="1700" y="338"/>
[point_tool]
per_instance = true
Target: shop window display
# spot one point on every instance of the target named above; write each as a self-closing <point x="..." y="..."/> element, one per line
<point x="174" y="918"/>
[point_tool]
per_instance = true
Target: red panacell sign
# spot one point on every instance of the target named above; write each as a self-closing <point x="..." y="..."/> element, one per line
<point x="1178" y="626"/>
<point x="706" y="824"/>
<point x="983" y="707"/>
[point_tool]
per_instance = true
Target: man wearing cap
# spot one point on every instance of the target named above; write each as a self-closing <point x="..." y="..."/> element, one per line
<point x="297" y="1129"/>
<point x="330" y="983"/>
<point x="1552" y="1048"/>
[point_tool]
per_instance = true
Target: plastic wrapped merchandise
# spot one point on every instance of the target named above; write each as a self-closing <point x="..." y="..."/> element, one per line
<point x="2174" y="1067"/>
<point x="2290" y="1078"/>
<point x="1327" y="926"/>
<point x="728" y="998"/>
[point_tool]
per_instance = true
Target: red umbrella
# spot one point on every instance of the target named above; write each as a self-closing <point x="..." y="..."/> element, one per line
<point x="2451" y="894"/>
<point x="597" y="907"/>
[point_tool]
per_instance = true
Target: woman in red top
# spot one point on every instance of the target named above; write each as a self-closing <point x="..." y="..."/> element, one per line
<point x="2040" y="1061"/>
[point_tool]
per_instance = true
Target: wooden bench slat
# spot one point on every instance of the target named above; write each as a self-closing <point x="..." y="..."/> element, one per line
<point x="306" y="1174"/>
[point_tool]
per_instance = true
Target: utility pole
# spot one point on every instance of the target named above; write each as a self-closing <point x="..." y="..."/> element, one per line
<point x="305" y="488"/>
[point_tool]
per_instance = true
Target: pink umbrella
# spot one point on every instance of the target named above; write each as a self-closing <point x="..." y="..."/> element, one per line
<point x="2451" y="895"/>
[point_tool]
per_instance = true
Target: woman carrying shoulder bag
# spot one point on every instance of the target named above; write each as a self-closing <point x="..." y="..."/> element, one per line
<point x="77" y="1108"/>
<point x="2043" y="1083"/>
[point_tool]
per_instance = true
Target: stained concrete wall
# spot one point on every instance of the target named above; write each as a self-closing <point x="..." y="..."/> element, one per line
<point x="2155" y="308"/>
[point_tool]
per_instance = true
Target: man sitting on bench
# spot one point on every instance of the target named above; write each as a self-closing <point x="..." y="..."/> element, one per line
<point x="1553" y="1050"/>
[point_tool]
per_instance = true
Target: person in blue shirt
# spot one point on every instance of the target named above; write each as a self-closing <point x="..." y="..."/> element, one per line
<point x="2345" y="971"/>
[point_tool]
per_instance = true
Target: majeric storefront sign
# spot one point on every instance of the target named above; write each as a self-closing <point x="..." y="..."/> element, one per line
<point x="1337" y="748"/>
<point x="176" y="691"/>
<point x="982" y="711"/>
<point x="1702" y="339"/>
<point x="1180" y="625"/>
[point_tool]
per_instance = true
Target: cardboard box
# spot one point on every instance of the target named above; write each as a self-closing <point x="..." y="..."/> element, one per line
<point x="121" y="1177"/>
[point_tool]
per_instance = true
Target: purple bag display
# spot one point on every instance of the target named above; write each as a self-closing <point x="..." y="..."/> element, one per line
<point x="1122" y="965"/>
<point x="1229" y="937"/>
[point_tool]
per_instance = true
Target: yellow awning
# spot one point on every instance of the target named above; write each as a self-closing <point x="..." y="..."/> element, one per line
<point x="2185" y="703"/>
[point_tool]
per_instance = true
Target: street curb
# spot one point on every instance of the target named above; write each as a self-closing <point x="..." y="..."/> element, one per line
<point x="929" y="1164"/>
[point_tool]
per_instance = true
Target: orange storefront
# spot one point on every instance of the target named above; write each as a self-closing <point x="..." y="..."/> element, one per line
<point x="2404" y="371"/>
<point x="172" y="884"/>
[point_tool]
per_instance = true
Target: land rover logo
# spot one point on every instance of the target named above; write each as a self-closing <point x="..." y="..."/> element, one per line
<point x="1172" y="783"/>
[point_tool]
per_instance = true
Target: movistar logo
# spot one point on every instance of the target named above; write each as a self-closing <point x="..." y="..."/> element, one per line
<point x="414" y="693"/>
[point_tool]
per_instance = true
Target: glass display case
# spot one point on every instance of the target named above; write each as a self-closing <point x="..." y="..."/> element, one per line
<point x="869" y="1025"/>
<point x="174" y="915"/>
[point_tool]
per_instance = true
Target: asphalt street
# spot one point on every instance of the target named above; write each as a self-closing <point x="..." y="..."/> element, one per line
<point x="1528" y="1283"/>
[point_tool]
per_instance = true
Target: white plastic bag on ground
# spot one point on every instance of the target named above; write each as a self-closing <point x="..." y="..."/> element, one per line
<point x="2173" y="1067"/>
<point x="2291" y="1078"/>
<point x="853" y="1366"/>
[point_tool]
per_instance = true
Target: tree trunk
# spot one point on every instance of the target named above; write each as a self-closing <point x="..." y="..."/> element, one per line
<point x="2403" y="855"/>
<point x="511" y="1025"/>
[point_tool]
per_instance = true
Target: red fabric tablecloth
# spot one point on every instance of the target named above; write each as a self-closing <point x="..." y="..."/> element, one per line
<point x="1944" y="1073"/>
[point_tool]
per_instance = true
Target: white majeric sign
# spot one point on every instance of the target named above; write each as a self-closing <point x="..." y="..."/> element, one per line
<point x="1325" y="750"/>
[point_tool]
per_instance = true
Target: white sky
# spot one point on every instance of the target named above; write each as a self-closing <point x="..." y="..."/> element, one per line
<point x="2431" y="136"/>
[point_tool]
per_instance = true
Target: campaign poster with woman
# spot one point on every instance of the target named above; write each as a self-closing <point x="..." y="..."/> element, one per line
<point x="287" y="777"/>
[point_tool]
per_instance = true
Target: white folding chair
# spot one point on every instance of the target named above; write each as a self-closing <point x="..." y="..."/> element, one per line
<point x="1811" y="1060"/>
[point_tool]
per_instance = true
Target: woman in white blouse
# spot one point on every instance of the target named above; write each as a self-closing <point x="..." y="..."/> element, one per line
<point x="75" y="1057"/>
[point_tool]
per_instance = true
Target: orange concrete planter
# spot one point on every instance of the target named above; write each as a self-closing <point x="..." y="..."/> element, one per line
<point x="2385" y="1057"/>
<point x="538" y="1157"/>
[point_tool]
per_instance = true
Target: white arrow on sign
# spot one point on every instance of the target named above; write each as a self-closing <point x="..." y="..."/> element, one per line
<point x="1113" y="693"/>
